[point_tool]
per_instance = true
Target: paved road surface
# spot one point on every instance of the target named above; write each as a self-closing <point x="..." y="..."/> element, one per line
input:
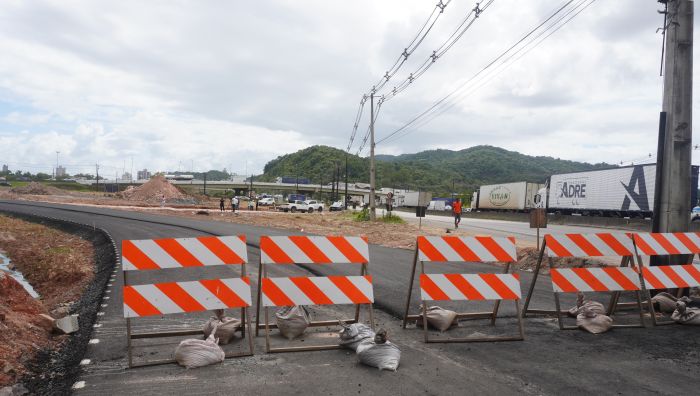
<point x="625" y="361"/>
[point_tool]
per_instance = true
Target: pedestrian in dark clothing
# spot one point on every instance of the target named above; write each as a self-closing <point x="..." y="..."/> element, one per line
<point x="221" y="204"/>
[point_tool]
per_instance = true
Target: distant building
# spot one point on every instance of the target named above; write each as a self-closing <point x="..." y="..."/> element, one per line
<point x="60" y="171"/>
<point x="143" y="174"/>
<point x="5" y="169"/>
<point x="126" y="176"/>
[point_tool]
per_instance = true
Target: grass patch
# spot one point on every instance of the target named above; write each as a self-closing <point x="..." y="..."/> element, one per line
<point x="392" y="219"/>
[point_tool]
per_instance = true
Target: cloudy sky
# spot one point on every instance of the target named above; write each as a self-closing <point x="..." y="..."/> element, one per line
<point x="198" y="85"/>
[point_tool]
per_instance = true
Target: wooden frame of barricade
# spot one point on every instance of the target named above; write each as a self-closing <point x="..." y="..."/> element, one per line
<point x="466" y="287"/>
<point x="665" y="276"/>
<point x="570" y="280"/>
<point x="318" y="290"/>
<point x="189" y="296"/>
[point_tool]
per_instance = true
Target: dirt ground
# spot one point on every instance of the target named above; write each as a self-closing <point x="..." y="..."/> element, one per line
<point x="326" y="223"/>
<point x="58" y="266"/>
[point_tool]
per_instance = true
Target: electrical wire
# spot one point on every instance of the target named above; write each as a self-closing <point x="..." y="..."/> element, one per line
<point x="505" y="64"/>
<point x="408" y="50"/>
<point x="508" y="54"/>
<point x="461" y="29"/>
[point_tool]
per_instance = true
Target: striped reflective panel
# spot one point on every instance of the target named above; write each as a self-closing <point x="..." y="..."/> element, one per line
<point x="149" y="254"/>
<point x="470" y="287"/>
<point x="569" y="280"/>
<point x="313" y="249"/>
<point x="456" y="248"/>
<point x="589" y="245"/>
<point x="659" y="244"/>
<point x="281" y="292"/>
<point x="671" y="276"/>
<point x="192" y="296"/>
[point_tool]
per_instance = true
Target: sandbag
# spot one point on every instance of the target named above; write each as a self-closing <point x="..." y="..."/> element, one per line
<point x="593" y="322"/>
<point x="684" y="314"/>
<point x="439" y="318"/>
<point x="379" y="352"/>
<point x="292" y="321"/>
<point x="582" y="303"/>
<point x="225" y="326"/>
<point x="352" y="335"/>
<point x="664" y="302"/>
<point x="193" y="353"/>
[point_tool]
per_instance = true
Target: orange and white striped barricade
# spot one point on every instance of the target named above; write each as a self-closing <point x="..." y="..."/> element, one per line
<point x="313" y="290"/>
<point x="667" y="276"/>
<point x="587" y="279"/>
<point x="157" y="299"/>
<point x="466" y="287"/>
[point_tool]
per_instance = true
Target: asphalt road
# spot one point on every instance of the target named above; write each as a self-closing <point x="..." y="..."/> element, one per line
<point x="660" y="360"/>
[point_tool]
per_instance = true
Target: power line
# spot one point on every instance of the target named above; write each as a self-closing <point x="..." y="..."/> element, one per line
<point x="498" y="58"/>
<point x="466" y="23"/>
<point x="366" y="137"/>
<point x="506" y="63"/>
<point x="408" y="50"/>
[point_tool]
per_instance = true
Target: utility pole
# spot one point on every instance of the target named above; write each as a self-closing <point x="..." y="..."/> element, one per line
<point x="205" y="183"/>
<point x="55" y="171"/>
<point x="346" y="181"/>
<point x="337" y="180"/>
<point x="372" y="186"/>
<point x="97" y="177"/>
<point x="674" y="194"/>
<point x="333" y="186"/>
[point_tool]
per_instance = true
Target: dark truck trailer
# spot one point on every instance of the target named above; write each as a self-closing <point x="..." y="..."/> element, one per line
<point x="625" y="191"/>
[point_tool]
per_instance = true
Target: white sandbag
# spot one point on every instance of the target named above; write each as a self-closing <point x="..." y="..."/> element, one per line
<point x="686" y="315"/>
<point x="664" y="302"/>
<point x="379" y="352"/>
<point x="582" y="303"/>
<point x="226" y="328"/>
<point x="352" y="335"/>
<point x="193" y="353"/>
<point x="593" y="322"/>
<point x="292" y="321"/>
<point x="439" y="318"/>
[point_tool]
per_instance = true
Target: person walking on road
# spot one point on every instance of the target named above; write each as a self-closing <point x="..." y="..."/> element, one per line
<point x="234" y="202"/>
<point x="457" y="211"/>
<point x="221" y="204"/>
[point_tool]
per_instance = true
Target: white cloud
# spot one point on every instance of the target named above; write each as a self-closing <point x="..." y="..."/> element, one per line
<point x="217" y="84"/>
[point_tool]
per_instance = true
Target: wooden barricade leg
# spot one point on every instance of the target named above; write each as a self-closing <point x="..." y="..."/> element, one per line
<point x="615" y="296"/>
<point x="365" y="271"/>
<point x="410" y="287"/>
<point x="535" y="275"/>
<point x="497" y="304"/>
<point x="258" y="299"/>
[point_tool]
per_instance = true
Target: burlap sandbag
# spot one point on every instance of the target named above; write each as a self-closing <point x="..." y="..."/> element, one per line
<point x="664" y="302"/>
<point x="352" y="335"/>
<point x="292" y="321"/>
<point x="193" y="353"/>
<point x="582" y="303"/>
<point x="438" y="318"/>
<point x="593" y="322"/>
<point x="686" y="315"/>
<point x="379" y="352"/>
<point x="226" y="328"/>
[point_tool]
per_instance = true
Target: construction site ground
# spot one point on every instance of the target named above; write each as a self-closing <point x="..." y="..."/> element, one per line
<point x="658" y="360"/>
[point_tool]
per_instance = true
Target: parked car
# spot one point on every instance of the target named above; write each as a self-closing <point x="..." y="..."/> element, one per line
<point x="695" y="214"/>
<point x="268" y="201"/>
<point x="296" y="206"/>
<point x="313" y="205"/>
<point x="336" y="206"/>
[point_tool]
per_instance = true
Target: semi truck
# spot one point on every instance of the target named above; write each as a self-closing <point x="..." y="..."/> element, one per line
<point x="626" y="191"/>
<point x="519" y="196"/>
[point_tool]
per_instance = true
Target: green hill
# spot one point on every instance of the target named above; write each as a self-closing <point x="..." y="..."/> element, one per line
<point x="432" y="170"/>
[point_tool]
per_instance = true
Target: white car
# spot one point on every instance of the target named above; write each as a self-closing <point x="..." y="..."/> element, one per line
<point x="296" y="206"/>
<point x="313" y="205"/>
<point x="266" y="201"/>
<point x="336" y="206"/>
<point x="695" y="214"/>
